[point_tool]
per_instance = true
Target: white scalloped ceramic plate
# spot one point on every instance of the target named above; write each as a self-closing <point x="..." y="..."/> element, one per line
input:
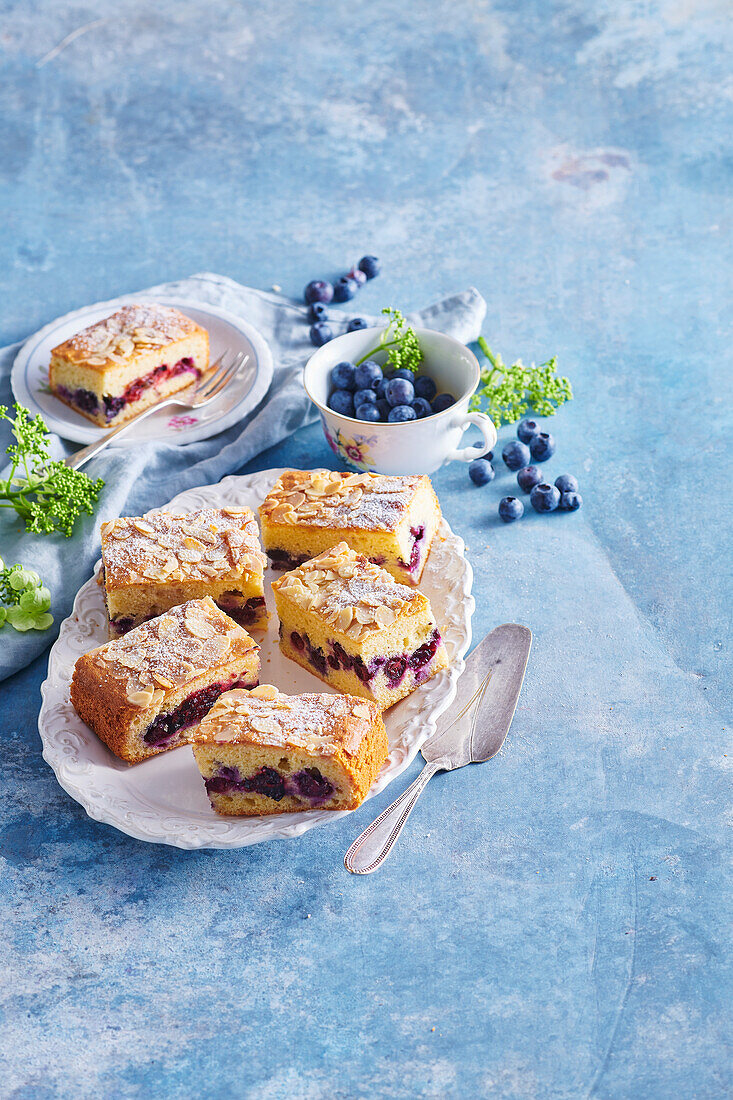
<point x="163" y="799"/>
<point x="29" y="376"/>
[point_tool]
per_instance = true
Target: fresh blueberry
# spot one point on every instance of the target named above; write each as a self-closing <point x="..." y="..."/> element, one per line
<point x="442" y="402"/>
<point x="422" y="407"/>
<point x="542" y="446"/>
<point x="370" y="266"/>
<point x="516" y="455"/>
<point x="345" y="289"/>
<point x="528" y="477"/>
<point x="357" y="275"/>
<point x="400" y="413"/>
<point x="403" y="372"/>
<point x="342" y="376"/>
<point x="341" y="401"/>
<point x="544" y="497"/>
<point x="425" y="387"/>
<point x="368" y="375"/>
<point x="399" y="391"/>
<point x="364" y="397"/>
<point x="381" y="388"/>
<point x="527" y="429"/>
<point x="317" y="312"/>
<point x="481" y="472"/>
<point x="318" y="291"/>
<point x="566" y="483"/>
<point x="320" y="334"/>
<point x="356" y="324"/>
<point x="368" y="411"/>
<point x="383" y="407"/>
<point x="510" y="508"/>
<point x="570" y="501"/>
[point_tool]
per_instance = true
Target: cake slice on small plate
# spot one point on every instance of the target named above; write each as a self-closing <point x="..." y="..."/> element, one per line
<point x="262" y="752"/>
<point x="390" y="520"/>
<point x="143" y="692"/>
<point x="114" y="369"/>
<point x="151" y="563"/>
<point x="348" y="621"/>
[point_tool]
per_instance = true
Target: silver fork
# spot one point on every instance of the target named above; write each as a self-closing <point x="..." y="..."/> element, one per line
<point x="218" y="376"/>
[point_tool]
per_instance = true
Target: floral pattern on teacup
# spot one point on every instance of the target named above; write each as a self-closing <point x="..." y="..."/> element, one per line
<point x="355" y="451"/>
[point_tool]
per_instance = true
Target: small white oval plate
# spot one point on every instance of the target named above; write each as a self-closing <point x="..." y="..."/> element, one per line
<point x="29" y="377"/>
<point x="163" y="799"/>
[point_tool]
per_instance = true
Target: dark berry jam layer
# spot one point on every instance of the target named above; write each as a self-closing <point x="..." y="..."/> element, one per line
<point x="394" y="668"/>
<point x="307" y="784"/>
<point x="165" y="726"/>
<point x="418" y="534"/>
<point x="89" y="402"/>
<point x="281" y="559"/>
<point x="245" y="614"/>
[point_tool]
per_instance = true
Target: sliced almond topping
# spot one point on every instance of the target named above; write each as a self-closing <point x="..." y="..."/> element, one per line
<point x="282" y="514"/>
<point x="385" y="615"/>
<point x="364" y="614"/>
<point x="140" y="698"/>
<point x="225" y="735"/>
<point x="143" y="527"/>
<point x="264" y="691"/>
<point x="296" y="499"/>
<point x="264" y="725"/>
<point x="198" y="627"/>
<point x="345" y="617"/>
<point x="361" y="711"/>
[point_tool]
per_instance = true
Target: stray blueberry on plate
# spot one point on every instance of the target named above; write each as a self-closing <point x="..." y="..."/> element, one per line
<point x="317" y="312"/>
<point x="398" y="392"/>
<point x="356" y="324"/>
<point x="510" y="508"/>
<point x="570" y="501"/>
<point x="368" y="375"/>
<point x="345" y="289"/>
<point x="342" y="376"/>
<point x="527" y="429"/>
<point x="542" y="446"/>
<point x="425" y="387"/>
<point x="341" y="401"/>
<point x="422" y="408"/>
<point x="364" y="397"/>
<point x="370" y="266"/>
<point x="566" y="483"/>
<point x="400" y="413"/>
<point x="544" y="497"/>
<point x="516" y="455"/>
<point x="318" y="291"/>
<point x="481" y="472"/>
<point x="442" y="402"/>
<point x="357" y="275"/>
<point x="368" y="411"/>
<point x="528" y="478"/>
<point x="320" y="334"/>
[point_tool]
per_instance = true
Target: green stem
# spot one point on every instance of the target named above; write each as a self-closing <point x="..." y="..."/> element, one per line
<point x="379" y="347"/>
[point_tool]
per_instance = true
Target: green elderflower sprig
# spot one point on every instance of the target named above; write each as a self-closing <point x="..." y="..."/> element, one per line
<point x="25" y="599"/>
<point x="506" y="393"/>
<point x="46" y="494"/>
<point x="399" y="341"/>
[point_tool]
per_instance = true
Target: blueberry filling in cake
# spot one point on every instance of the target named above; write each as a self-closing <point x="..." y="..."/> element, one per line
<point x="392" y="521"/>
<point x="263" y="752"/>
<point x="88" y="402"/>
<point x="348" y="621"/>
<point x="191" y="710"/>
<point x="307" y="783"/>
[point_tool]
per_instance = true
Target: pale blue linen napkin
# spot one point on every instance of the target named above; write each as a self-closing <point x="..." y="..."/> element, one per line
<point x="149" y="474"/>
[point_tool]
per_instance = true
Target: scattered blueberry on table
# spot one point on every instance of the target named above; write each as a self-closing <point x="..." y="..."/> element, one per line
<point x="527" y="429"/>
<point x="357" y="275"/>
<point x="542" y="446"/>
<point x="318" y="291"/>
<point x="370" y="266"/>
<point x="481" y="472"/>
<point x="510" y="508"/>
<point x="356" y="324"/>
<point x="344" y="289"/>
<point x="528" y="477"/>
<point x="516" y="455"/>
<point x="317" y="312"/>
<point x="566" y="483"/>
<point x="544" y="497"/>
<point x="320" y="334"/>
<point x="570" y="501"/>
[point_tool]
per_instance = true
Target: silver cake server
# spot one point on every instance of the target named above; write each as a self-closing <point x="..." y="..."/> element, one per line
<point x="472" y="730"/>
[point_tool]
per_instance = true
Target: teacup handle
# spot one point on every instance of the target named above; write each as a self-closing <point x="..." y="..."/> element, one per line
<point x="488" y="431"/>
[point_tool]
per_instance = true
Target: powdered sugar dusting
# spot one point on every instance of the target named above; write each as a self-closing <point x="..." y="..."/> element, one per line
<point x="325" y="498"/>
<point x="128" y="331"/>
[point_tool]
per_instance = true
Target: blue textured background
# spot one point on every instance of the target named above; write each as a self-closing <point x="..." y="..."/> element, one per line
<point x="554" y="924"/>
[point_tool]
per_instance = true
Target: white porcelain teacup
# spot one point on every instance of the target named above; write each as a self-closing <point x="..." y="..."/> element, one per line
<point x="416" y="446"/>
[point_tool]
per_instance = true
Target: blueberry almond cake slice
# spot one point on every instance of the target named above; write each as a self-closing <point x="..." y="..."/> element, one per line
<point x="142" y="693"/>
<point x="151" y="563"/>
<point x="348" y="621"/>
<point x="119" y="366"/>
<point x="262" y="752"/>
<point x="391" y="520"/>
